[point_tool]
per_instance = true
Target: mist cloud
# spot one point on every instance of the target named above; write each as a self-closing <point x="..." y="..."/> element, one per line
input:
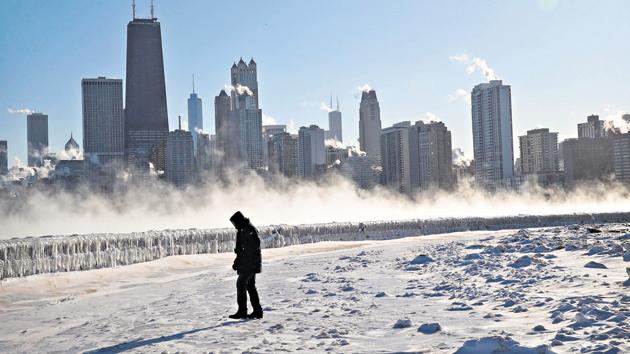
<point x="364" y="88"/>
<point x="475" y="64"/>
<point x="159" y="206"/>
<point x="239" y="89"/>
<point x="613" y="121"/>
<point x="22" y="111"/>
<point x="324" y="107"/>
<point x="460" y="95"/>
<point x="430" y="118"/>
<point x="268" y="120"/>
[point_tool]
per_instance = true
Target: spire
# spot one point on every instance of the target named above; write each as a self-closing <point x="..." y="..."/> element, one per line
<point x="133" y="9"/>
<point x="330" y="100"/>
<point x="337" y="103"/>
<point x="193" y="83"/>
<point x="152" y="11"/>
<point x="180" y="122"/>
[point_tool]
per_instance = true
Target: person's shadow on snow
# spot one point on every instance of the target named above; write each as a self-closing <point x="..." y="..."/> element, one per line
<point x="137" y="343"/>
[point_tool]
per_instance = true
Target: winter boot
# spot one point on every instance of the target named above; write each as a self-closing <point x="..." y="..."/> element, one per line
<point x="239" y="314"/>
<point x="258" y="314"/>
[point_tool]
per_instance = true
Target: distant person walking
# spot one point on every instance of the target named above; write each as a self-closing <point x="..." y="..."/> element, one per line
<point x="248" y="262"/>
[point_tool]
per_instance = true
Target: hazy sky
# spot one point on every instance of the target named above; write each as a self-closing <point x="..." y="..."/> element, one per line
<point x="563" y="59"/>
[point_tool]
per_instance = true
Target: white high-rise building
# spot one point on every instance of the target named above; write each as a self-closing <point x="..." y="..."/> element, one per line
<point x="435" y="155"/>
<point x="103" y="124"/>
<point x="311" y="151"/>
<point x="539" y="152"/>
<point x="370" y="124"/>
<point x="492" y="134"/>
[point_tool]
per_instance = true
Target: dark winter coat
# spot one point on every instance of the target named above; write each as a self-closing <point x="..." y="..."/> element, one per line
<point x="248" y="255"/>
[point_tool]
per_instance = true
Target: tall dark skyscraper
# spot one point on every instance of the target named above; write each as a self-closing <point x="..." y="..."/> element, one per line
<point x="228" y="131"/>
<point x="4" y="153"/>
<point x="146" y="117"/>
<point x="36" y="138"/>
<point x="244" y="101"/>
<point x="370" y="124"/>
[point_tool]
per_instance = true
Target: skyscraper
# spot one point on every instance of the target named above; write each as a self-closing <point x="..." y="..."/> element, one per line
<point x="195" y="115"/>
<point x="227" y="127"/>
<point x="146" y="117"/>
<point x="205" y="152"/>
<point x="179" y="157"/>
<point x="370" y="124"/>
<point x="399" y="157"/>
<point x="435" y="156"/>
<point x="245" y="105"/>
<point x="71" y="144"/>
<point x="621" y="157"/>
<point x="362" y="170"/>
<point x="4" y="153"/>
<point x="311" y="151"/>
<point x="334" y="123"/>
<point x="36" y="138"/>
<point x="492" y="134"/>
<point x="283" y="154"/>
<point x="244" y="79"/>
<point x="103" y="128"/>
<point x="539" y="152"/>
<point x="586" y="159"/>
<point x="268" y="131"/>
<point x="593" y="128"/>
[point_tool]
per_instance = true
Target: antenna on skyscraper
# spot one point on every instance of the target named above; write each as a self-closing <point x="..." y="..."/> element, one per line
<point x="337" y="103"/>
<point x="133" y="8"/>
<point x="152" y="17"/>
<point x="193" y="83"/>
<point x="180" y="122"/>
<point x="331" y="100"/>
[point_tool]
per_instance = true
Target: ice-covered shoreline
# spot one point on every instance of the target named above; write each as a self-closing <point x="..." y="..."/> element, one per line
<point x="50" y="254"/>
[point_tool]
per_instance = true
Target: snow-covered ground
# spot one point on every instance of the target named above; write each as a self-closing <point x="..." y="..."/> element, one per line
<point x="560" y="289"/>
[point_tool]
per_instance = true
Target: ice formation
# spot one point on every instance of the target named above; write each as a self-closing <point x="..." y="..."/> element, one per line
<point x="49" y="254"/>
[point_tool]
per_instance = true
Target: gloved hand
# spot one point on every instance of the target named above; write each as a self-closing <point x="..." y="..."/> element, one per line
<point x="234" y="266"/>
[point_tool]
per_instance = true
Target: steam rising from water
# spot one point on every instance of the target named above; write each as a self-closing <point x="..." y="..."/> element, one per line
<point x="159" y="206"/>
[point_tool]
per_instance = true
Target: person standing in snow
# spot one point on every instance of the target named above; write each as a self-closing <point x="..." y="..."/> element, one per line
<point x="248" y="262"/>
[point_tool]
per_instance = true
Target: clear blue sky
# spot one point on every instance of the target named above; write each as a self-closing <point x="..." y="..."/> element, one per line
<point x="563" y="59"/>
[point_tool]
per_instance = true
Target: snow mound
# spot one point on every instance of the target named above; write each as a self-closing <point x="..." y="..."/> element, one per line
<point x="522" y="262"/>
<point x="496" y="344"/>
<point x="403" y="323"/>
<point x="429" y="328"/>
<point x="421" y="259"/>
<point x="596" y="265"/>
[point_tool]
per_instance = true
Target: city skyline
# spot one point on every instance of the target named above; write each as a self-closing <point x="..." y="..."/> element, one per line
<point x="556" y="97"/>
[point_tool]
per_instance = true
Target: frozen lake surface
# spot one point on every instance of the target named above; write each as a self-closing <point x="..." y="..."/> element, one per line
<point x="557" y="289"/>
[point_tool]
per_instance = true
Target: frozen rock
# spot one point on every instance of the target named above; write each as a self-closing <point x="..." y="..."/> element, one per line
<point x="421" y="259"/>
<point x="381" y="294"/>
<point x="429" y="328"/>
<point x="539" y="328"/>
<point x="497" y="344"/>
<point x="626" y="256"/>
<point x="597" y="265"/>
<point x="472" y="256"/>
<point x="522" y="262"/>
<point x="595" y="250"/>
<point x="403" y="323"/>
